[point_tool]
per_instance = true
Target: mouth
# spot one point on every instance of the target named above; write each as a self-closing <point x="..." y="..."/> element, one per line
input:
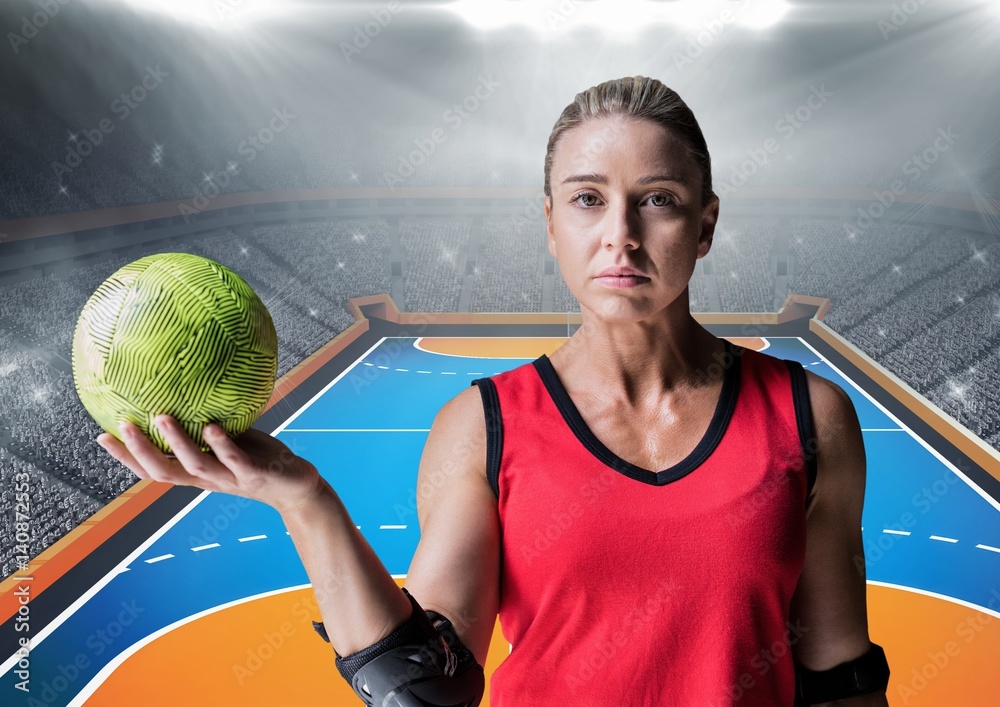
<point x="620" y="281"/>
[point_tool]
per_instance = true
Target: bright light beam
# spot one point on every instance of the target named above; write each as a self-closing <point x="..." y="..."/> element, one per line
<point x="218" y="14"/>
<point x="616" y="16"/>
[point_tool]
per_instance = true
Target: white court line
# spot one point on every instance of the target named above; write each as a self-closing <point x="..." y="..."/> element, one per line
<point x="83" y="695"/>
<point x="988" y="547"/>
<point x="945" y="597"/>
<point x="989" y="499"/>
<point x="325" y="388"/>
<point x="204" y="547"/>
<point x="392" y="527"/>
<point x="416" y="345"/>
<point x="86" y="596"/>
<point x="151" y="560"/>
<point x="943" y="539"/>
<point x="895" y="532"/>
<point x="250" y="538"/>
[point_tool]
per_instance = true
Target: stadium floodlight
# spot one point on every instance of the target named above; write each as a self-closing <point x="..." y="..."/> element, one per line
<point x="761" y="14"/>
<point x="549" y="17"/>
<point x="220" y="14"/>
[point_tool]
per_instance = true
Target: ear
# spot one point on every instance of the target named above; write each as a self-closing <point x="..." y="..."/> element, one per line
<point x="710" y="217"/>
<point x="548" y="226"/>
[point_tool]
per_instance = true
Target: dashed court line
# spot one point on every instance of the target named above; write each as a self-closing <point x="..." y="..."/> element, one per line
<point x="388" y="526"/>
<point x="443" y="373"/>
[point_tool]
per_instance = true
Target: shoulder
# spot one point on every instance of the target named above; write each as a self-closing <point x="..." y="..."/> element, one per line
<point x="838" y="440"/>
<point x="458" y="434"/>
<point x="463" y="417"/>
<point x="832" y="408"/>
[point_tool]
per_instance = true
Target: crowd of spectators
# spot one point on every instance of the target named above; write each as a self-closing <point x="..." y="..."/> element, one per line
<point x="47" y="507"/>
<point x="742" y="261"/>
<point x="508" y="267"/>
<point x="435" y="258"/>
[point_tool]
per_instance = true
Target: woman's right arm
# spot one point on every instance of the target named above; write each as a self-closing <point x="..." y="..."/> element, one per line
<point x="455" y="570"/>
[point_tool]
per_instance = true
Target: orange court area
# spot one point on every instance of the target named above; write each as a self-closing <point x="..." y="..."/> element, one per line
<point x="264" y="651"/>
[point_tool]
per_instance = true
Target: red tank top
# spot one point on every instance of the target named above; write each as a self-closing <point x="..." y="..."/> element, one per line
<point x="624" y="587"/>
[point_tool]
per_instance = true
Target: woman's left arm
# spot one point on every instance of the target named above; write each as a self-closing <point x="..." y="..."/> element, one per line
<point x="829" y="604"/>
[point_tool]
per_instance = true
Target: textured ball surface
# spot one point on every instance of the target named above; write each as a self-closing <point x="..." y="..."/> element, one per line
<point x="176" y="334"/>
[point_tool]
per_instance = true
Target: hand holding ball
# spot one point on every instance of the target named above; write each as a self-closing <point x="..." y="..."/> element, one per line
<point x="176" y="334"/>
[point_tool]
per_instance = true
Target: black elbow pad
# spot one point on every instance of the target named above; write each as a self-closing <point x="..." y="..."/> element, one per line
<point x="867" y="673"/>
<point x="422" y="663"/>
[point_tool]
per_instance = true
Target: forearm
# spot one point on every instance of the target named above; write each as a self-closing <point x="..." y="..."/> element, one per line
<point x="359" y="600"/>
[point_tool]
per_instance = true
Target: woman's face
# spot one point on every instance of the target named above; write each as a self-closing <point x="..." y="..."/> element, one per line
<point x="612" y="204"/>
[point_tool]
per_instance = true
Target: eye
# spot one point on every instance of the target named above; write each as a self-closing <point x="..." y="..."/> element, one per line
<point x="659" y="195"/>
<point x="582" y="195"/>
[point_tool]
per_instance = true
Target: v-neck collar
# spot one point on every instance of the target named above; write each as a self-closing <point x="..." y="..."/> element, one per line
<point x="709" y="441"/>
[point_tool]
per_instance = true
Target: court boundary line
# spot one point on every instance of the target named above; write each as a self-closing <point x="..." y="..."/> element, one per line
<point x="87" y="691"/>
<point x="974" y="486"/>
<point x="418" y="339"/>
<point x="936" y="595"/>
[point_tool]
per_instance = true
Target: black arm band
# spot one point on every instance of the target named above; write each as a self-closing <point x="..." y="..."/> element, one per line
<point x="866" y="673"/>
<point x="422" y="662"/>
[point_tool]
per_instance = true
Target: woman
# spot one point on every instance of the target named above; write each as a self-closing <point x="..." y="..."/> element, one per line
<point x="636" y="507"/>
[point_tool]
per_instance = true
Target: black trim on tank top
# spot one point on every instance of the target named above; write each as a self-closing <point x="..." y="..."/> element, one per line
<point x="803" y="419"/>
<point x="709" y="441"/>
<point x="494" y="431"/>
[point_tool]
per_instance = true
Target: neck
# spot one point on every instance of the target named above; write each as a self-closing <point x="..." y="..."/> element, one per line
<point x="641" y="362"/>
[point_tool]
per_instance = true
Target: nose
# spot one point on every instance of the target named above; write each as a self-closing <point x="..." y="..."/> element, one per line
<point x="620" y="229"/>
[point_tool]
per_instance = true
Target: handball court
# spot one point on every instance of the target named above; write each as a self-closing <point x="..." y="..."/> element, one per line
<point x="170" y="595"/>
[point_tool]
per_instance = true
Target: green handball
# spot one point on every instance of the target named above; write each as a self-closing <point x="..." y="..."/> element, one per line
<point x="178" y="334"/>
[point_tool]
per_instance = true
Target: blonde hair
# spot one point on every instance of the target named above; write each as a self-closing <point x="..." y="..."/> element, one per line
<point x="636" y="97"/>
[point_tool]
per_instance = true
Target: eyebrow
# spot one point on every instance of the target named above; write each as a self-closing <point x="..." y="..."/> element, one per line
<point x="601" y="179"/>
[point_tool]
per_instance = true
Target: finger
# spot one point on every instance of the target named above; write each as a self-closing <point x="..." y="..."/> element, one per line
<point x="117" y="450"/>
<point x="225" y="449"/>
<point x="152" y="459"/>
<point x="195" y="462"/>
